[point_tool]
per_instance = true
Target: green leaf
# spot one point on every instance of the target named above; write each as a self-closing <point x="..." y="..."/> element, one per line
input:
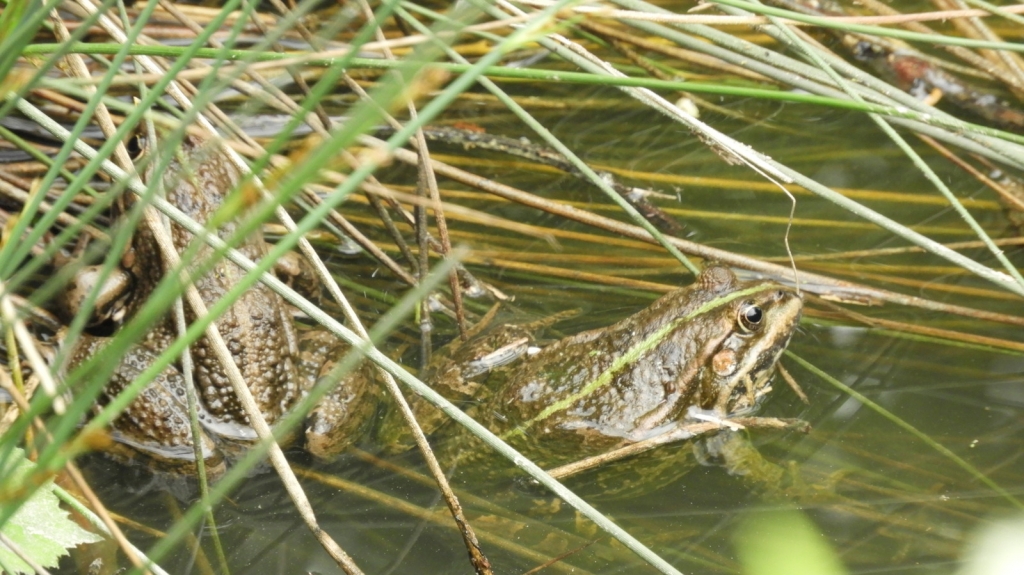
<point x="784" y="541"/>
<point x="40" y="528"/>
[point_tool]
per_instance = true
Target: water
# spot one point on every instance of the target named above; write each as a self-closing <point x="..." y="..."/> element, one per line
<point x="879" y="495"/>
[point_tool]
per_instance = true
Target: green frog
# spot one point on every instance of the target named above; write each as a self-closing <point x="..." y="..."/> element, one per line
<point x="277" y="362"/>
<point x="709" y="348"/>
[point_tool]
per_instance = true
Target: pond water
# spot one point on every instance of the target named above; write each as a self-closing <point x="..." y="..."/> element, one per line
<point x="880" y="496"/>
<point x="894" y="480"/>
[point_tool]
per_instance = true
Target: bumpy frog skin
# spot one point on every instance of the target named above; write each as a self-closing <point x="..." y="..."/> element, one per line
<point x="712" y="345"/>
<point x="156" y="422"/>
<point x="277" y="366"/>
<point x="257" y="328"/>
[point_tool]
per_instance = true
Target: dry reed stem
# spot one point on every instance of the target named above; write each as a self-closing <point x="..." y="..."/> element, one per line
<point x="753" y="20"/>
<point x="428" y="186"/>
<point x="498" y="539"/>
<point x="835" y="288"/>
<point x="918" y="329"/>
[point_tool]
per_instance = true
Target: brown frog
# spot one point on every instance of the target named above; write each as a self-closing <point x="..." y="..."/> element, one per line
<point x="277" y="364"/>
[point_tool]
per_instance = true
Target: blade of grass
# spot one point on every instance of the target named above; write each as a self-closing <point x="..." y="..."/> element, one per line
<point x="811" y="53"/>
<point x="857" y="209"/>
<point x="894" y="110"/>
<point x="796" y="73"/>
<point x="851" y="291"/>
<point x="12" y="253"/>
<point x="871" y="30"/>
<point x="555" y="143"/>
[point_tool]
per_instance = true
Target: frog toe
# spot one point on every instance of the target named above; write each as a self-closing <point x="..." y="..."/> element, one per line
<point x="342" y="416"/>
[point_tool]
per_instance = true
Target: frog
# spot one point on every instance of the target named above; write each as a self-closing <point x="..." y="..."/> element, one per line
<point x="452" y="369"/>
<point x="279" y="364"/>
<point x="705" y="350"/>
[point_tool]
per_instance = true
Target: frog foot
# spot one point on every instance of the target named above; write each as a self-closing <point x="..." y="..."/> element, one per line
<point x="341" y="416"/>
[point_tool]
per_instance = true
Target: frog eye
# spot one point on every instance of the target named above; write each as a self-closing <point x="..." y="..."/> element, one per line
<point x="750" y="317"/>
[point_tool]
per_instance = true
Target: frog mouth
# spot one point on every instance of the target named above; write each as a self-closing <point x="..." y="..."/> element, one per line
<point x="743" y="394"/>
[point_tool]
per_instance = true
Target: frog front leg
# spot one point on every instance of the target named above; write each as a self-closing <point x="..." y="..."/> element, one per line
<point x="342" y="416"/>
<point x="296" y="272"/>
<point x="110" y="303"/>
<point x="459" y="371"/>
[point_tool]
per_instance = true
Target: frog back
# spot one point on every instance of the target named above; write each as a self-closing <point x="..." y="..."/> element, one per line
<point x="600" y="388"/>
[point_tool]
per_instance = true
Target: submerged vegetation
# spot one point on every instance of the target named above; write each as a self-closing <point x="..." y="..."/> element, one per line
<point x="569" y="162"/>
